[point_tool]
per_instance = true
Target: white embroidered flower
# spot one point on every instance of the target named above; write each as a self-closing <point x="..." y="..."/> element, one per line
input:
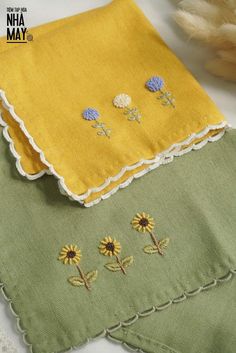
<point x="122" y="100"/>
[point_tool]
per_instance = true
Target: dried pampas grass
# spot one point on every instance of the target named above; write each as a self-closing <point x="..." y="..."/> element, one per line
<point x="214" y="23"/>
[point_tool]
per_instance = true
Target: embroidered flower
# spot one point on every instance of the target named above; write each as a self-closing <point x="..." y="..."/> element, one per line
<point x="155" y="84"/>
<point x="122" y="100"/>
<point x="111" y="247"/>
<point x="70" y="254"/>
<point x="143" y="222"/>
<point x="92" y="114"/>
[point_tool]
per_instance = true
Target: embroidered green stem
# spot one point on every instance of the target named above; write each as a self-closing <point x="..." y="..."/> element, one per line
<point x="104" y="132"/>
<point x="144" y="223"/>
<point x="133" y="114"/>
<point x="83" y="277"/>
<point x="156" y="243"/>
<point x="111" y="247"/>
<point x="167" y="98"/>
<point x="120" y="264"/>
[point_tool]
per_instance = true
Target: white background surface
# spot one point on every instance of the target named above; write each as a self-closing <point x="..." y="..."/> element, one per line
<point x="191" y="53"/>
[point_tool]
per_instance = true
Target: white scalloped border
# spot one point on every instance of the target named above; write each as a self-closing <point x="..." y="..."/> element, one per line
<point x="164" y="157"/>
<point x="16" y="155"/>
<point x="108" y="331"/>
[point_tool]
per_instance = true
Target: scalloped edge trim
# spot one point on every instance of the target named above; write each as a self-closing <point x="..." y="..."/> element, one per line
<point x="17" y="157"/>
<point x="164" y="157"/>
<point x="107" y="332"/>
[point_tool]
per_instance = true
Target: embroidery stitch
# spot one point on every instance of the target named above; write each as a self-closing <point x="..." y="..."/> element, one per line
<point x="155" y="84"/>
<point x="92" y="114"/>
<point x="143" y="222"/>
<point x="111" y="247"/>
<point x="122" y="101"/>
<point x="71" y="255"/>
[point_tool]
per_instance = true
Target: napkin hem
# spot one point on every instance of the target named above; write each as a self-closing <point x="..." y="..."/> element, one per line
<point x="164" y="157"/>
<point x="108" y="331"/>
<point x="16" y="155"/>
<point x="162" y="348"/>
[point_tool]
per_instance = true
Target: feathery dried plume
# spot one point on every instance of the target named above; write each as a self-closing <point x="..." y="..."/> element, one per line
<point x="214" y="23"/>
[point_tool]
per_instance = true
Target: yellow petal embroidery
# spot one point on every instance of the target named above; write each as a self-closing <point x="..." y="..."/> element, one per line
<point x="71" y="255"/>
<point x="143" y="222"/>
<point x="111" y="247"/>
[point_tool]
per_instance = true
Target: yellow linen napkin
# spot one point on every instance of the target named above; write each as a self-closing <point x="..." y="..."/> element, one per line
<point x="99" y="100"/>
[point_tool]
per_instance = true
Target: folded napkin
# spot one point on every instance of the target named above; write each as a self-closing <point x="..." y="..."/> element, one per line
<point x="71" y="273"/>
<point x="98" y="100"/>
<point x="204" y="323"/>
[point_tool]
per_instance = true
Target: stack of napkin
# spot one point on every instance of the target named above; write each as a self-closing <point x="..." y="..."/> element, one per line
<point x="98" y="100"/>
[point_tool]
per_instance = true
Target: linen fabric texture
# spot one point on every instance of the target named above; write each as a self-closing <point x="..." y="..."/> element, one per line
<point x="91" y="58"/>
<point x="193" y="203"/>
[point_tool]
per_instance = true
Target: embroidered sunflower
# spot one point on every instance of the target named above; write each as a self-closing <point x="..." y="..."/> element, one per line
<point x="109" y="247"/>
<point x="143" y="222"/>
<point x="70" y="254"/>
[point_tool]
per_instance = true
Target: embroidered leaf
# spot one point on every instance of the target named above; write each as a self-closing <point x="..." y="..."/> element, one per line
<point x="92" y="276"/>
<point x="76" y="281"/>
<point x="127" y="261"/>
<point x="166" y="103"/>
<point x="113" y="267"/>
<point x="101" y="133"/>
<point x="164" y="243"/>
<point x="150" y="249"/>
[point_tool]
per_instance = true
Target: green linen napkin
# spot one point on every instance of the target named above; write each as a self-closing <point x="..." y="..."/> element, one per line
<point x="204" y="323"/>
<point x="193" y="204"/>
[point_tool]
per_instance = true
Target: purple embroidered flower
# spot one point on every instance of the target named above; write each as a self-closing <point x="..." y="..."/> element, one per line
<point x="155" y="84"/>
<point x="90" y="114"/>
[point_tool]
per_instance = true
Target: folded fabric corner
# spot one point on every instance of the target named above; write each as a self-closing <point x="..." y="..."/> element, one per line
<point x="104" y="107"/>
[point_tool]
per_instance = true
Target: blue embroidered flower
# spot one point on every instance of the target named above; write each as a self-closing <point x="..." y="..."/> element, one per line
<point x="155" y="84"/>
<point x="90" y="114"/>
